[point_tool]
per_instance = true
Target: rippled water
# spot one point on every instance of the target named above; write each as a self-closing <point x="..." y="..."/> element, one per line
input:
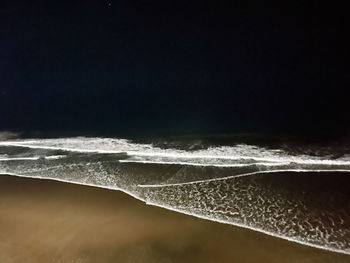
<point x="291" y="194"/>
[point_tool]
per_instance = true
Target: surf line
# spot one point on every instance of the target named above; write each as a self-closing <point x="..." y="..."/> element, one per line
<point x="178" y="154"/>
<point x="206" y="164"/>
<point x="35" y="158"/>
<point x="243" y="175"/>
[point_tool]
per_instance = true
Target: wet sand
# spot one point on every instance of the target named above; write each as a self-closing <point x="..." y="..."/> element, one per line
<point x="48" y="221"/>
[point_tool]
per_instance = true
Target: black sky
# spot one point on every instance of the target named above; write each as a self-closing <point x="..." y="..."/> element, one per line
<point x="173" y="67"/>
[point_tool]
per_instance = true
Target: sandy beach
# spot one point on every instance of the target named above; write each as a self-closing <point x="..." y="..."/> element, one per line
<point x="49" y="221"/>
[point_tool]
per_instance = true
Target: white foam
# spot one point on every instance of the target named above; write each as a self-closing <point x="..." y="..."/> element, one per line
<point x="242" y="175"/>
<point x="35" y="158"/>
<point x="203" y="164"/>
<point x="230" y="157"/>
<point x="19" y="159"/>
<point x="189" y="213"/>
<point x="237" y="152"/>
<point x="55" y="157"/>
<point x="251" y="228"/>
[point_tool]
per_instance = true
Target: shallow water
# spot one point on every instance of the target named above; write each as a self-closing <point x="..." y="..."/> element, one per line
<point x="293" y="193"/>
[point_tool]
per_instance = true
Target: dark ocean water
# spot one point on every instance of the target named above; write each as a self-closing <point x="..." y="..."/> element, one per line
<point x="293" y="190"/>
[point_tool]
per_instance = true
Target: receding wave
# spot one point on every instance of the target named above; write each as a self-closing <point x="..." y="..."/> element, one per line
<point x="298" y="197"/>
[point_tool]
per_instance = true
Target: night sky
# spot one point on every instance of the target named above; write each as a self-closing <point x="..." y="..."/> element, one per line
<point x="173" y="67"/>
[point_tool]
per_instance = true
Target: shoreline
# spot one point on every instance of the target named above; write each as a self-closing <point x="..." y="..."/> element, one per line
<point x="51" y="221"/>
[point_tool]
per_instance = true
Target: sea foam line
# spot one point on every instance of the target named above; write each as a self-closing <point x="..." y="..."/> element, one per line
<point x="205" y="164"/>
<point x="293" y="159"/>
<point x="242" y="175"/>
<point x="35" y="158"/>
<point x="19" y="159"/>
